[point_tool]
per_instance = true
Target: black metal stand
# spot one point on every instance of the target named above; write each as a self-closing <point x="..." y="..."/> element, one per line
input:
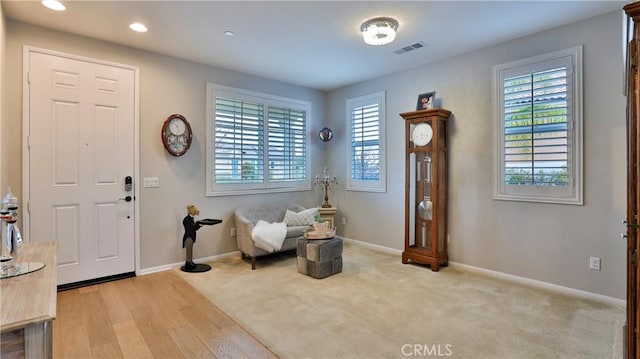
<point x="199" y="268"/>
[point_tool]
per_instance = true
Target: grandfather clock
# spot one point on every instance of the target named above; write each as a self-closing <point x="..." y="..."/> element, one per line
<point x="425" y="224"/>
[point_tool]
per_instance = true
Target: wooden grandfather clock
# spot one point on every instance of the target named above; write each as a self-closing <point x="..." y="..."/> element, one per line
<point x="425" y="224"/>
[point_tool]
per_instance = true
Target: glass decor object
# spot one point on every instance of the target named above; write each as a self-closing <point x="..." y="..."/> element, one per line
<point x="325" y="134"/>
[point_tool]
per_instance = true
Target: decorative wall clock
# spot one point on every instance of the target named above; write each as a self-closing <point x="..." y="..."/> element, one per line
<point x="176" y="135"/>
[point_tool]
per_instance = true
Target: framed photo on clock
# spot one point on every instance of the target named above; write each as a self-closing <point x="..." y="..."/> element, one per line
<point x="426" y="100"/>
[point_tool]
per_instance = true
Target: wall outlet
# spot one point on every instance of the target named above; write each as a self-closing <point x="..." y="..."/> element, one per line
<point x="594" y="263"/>
<point x="344" y="220"/>
<point x="233" y="232"/>
<point x="448" y="238"/>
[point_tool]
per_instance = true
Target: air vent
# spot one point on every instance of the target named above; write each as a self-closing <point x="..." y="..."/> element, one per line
<point x="417" y="45"/>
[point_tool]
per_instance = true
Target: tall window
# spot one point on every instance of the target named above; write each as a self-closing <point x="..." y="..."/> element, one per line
<point x="256" y="142"/>
<point x="366" y="167"/>
<point x="539" y="128"/>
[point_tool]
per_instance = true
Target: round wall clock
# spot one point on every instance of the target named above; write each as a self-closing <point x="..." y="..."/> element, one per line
<point x="176" y="135"/>
<point x="422" y="134"/>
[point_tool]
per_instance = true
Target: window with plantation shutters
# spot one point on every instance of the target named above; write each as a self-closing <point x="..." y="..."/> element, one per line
<point x="366" y="165"/>
<point x="539" y="125"/>
<point x="257" y="143"/>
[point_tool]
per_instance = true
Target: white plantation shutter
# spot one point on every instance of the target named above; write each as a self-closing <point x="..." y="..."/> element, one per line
<point x="366" y="166"/>
<point x="536" y="108"/>
<point x="539" y="120"/>
<point x="239" y="149"/>
<point x="365" y="143"/>
<point x="287" y="144"/>
<point x="256" y="143"/>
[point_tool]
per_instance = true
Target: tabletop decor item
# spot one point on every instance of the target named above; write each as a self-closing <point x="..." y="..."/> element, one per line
<point x="426" y="101"/>
<point x="326" y="182"/>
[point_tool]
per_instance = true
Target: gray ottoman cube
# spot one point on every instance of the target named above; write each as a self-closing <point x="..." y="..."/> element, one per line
<point x="319" y="258"/>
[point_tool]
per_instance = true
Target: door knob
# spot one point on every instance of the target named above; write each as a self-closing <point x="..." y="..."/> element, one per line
<point x="126" y="199"/>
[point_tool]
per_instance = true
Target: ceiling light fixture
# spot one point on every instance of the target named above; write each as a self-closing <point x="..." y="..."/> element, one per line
<point x="54" y="5"/>
<point x="379" y="31"/>
<point x="229" y="33"/>
<point x="138" y="27"/>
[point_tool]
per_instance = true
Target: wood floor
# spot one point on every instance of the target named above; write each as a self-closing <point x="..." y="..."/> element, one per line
<point x="153" y="316"/>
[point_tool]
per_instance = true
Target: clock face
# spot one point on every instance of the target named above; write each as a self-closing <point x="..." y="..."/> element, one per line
<point x="176" y="135"/>
<point x="177" y="126"/>
<point x="422" y="134"/>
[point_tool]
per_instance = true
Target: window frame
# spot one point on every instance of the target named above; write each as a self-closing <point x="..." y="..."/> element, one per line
<point x="378" y="98"/>
<point x="572" y="193"/>
<point x="267" y="100"/>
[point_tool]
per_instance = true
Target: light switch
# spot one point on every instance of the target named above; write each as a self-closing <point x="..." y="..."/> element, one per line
<point x="151" y="182"/>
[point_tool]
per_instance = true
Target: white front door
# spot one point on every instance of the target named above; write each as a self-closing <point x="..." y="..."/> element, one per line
<point x="81" y="147"/>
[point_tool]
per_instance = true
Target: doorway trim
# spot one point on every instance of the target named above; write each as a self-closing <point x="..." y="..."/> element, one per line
<point x="27" y="51"/>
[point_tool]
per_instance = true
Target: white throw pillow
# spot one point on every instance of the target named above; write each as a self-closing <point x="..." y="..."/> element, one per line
<point x="302" y="218"/>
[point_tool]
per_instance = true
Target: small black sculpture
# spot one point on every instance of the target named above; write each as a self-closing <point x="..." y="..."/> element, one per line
<point x="189" y="238"/>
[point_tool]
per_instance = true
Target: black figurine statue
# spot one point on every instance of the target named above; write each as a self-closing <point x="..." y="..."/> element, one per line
<point x="189" y="238"/>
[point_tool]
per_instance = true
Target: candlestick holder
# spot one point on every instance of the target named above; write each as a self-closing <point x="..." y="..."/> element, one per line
<point x="326" y="182"/>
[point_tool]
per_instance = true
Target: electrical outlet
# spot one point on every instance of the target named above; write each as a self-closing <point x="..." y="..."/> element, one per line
<point x="448" y="238"/>
<point x="344" y="220"/>
<point x="594" y="263"/>
<point x="233" y="232"/>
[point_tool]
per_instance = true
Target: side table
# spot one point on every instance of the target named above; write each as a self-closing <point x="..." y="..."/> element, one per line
<point x="319" y="258"/>
<point x="328" y="215"/>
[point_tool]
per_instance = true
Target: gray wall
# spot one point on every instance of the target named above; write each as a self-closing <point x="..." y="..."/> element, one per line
<point x="546" y="242"/>
<point x="168" y="85"/>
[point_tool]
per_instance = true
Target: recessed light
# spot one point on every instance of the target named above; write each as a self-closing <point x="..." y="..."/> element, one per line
<point x="138" y="27"/>
<point x="54" y="5"/>
<point x="228" y="33"/>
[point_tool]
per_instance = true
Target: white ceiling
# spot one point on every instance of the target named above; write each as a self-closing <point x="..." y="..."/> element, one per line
<point x="316" y="44"/>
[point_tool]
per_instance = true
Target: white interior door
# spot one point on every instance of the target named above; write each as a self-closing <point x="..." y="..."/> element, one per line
<point x="81" y="128"/>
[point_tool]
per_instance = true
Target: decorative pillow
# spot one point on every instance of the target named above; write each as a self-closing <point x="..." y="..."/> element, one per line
<point x="302" y="218"/>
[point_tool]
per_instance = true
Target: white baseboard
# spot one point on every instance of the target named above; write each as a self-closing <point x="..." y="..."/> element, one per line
<point x="179" y="264"/>
<point x="544" y="285"/>
<point x="376" y="247"/>
<point x="509" y="277"/>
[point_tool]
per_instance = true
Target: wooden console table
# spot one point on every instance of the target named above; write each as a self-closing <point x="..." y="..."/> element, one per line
<point x="29" y="305"/>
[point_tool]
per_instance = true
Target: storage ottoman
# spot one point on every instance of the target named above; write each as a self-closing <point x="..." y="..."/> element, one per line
<point x="319" y="258"/>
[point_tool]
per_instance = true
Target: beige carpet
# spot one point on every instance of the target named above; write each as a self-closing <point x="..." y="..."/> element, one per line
<point x="379" y="308"/>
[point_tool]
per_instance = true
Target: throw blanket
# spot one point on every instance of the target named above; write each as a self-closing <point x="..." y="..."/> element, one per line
<point x="269" y="236"/>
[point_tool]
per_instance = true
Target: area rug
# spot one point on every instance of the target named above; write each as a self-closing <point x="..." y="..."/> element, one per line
<point x="380" y="308"/>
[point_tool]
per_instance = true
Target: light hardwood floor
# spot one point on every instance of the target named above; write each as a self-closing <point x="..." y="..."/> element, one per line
<point x="153" y="316"/>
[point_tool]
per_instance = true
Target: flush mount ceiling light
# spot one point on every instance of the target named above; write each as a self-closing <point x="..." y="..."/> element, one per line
<point x="138" y="27"/>
<point x="379" y="31"/>
<point x="54" y="5"/>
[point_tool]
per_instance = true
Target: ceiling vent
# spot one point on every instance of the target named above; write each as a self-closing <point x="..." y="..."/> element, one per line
<point x="417" y="45"/>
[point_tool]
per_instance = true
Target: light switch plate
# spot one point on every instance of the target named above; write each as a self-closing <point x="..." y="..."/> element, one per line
<point x="151" y="182"/>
